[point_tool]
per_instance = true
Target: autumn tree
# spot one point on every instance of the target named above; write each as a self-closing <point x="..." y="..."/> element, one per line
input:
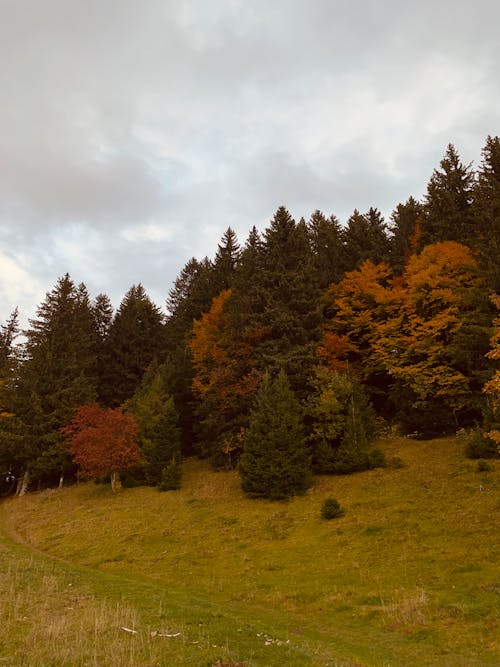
<point x="275" y="462"/>
<point x="224" y="383"/>
<point x="352" y="311"/>
<point x="434" y="339"/>
<point x="102" y="441"/>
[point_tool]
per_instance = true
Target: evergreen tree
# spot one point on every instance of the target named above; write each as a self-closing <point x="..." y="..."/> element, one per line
<point x="157" y="419"/>
<point x="136" y="337"/>
<point x="57" y="375"/>
<point x="285" y="300"/>
<point x="225" y="261"/>
<point x="448" y="214"/>
<point x="365" y="237"/>
<point x="275" y="463"/>
<point x="329" y="260"/>
<point x="486" y="213"/>
<point x="405" y="228"/>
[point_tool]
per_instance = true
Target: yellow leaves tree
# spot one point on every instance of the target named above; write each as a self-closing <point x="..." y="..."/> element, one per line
<point x="423" y="345"/>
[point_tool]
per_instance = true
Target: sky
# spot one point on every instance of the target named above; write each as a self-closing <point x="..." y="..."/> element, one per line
<point x="133" y="134"/>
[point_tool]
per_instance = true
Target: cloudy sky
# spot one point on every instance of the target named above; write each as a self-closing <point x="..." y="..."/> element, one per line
<point x="132" y="134"/>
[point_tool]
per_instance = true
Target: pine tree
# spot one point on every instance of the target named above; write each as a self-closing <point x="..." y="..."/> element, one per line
<point x="275" y="463"/>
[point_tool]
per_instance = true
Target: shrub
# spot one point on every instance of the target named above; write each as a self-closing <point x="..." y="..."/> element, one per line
<point x="376" y="458"/>
<point x="171" y="476"/>
<point x="331" y="509"/>
<point x="483" y="466"/>
<point x="481" y="447"/>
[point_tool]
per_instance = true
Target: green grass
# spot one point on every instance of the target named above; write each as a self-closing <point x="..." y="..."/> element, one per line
<point x="408" y="576"/>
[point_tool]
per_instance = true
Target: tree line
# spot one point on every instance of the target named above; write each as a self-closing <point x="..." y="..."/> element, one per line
<point x="282" y="356"/>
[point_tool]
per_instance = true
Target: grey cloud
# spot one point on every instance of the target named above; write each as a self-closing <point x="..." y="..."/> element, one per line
<point x="121" y="119"/>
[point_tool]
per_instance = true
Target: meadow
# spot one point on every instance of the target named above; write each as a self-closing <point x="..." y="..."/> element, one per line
<point x="205" y="576"/>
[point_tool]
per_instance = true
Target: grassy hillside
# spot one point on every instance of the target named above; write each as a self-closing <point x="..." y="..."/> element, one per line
<point x="409" y="576"/>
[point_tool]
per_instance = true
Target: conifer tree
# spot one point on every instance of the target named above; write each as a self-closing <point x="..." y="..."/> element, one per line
<point x="329" y="260"/>
<point x="286" y="305"/>
<point x="486" y="213"/>
<point x="57" y="375"/>
<point x="157" y="419"/>
<point x="405" y="228"/>
<point x="448" y="214"/>
<point x="275" y="463"/>
<point x="135" y="338"/>
<point x="225" y="261"/>
<point x="365" y="237"/>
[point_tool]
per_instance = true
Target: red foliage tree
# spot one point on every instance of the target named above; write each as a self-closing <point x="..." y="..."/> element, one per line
<point x="103" y="441"/>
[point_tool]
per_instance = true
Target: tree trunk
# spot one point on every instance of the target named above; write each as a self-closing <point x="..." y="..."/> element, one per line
<point x="61" y="480"/>
<point x="22" y="485"/>
<point x="115" y="481"/>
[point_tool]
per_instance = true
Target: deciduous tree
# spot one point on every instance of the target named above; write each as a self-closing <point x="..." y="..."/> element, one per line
<point x="102" y="441"/>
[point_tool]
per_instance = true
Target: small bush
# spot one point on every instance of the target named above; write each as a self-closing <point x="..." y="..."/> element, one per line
<point x="376" y="458"/>
<point x="480" y="447"/>
<point x="331" y="509"/>
<point x="171" y="476"/>
<point x="483" y="466"/>
<point x="395" y="462"/>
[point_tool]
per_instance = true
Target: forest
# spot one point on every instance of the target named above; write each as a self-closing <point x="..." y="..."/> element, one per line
<point x="283" y="356"/>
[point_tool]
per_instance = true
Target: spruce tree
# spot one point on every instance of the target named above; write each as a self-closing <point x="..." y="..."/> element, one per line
<point x="448" y="214"/>
<point x="157" y="418"/>
<point x="365" y="237"/>
<point x="486" y="213"/>
<point x="275" y="463"/>
<point x="325" y="235"/>
<point x="57" y="375"/>
<point x="136" y="337"/>
<point x="406" y="221"/>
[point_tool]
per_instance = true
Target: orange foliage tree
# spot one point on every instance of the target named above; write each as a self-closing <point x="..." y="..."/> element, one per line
<point x="223" y="381"/>
<point x="434" y="335"/>
<point x="103" y="441"/>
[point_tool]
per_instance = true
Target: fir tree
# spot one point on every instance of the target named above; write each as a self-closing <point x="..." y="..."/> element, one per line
<point x="275" y="463"/>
